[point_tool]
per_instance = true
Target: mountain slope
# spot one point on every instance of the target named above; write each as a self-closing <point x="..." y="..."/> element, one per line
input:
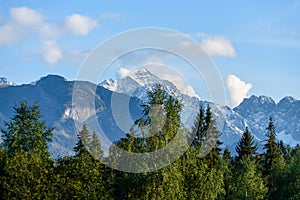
<point x="285" y="114"/>
<point x="54" y="95"/>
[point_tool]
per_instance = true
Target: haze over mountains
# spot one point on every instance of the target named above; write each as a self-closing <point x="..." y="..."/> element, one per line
<point x="54" y="94"/>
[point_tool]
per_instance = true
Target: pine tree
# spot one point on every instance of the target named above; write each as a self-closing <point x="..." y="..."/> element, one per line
<point x="246" y="146"/>
<point x="202" y="165"/>
<point x="84" y="139"/>
<point x="161" y="123"/>
<point x="27" y="168"/>
<point x="273" y="161"/>
<point x="95" y="147"/>
<point x="286" y="151"/>
<point x="198" y="129"/>
<point x="247" y="181"/>
<point x="83" y="176"/>
<point x="292" y="179"/>
<point x="211" y="147"/>
<point x="25" y="132"/>
<point x="227" y="173"/>
<point x="227" y="155"/>
<point x="201" y="181"/>
<point x="271" y="147"/>
<point x="276" y="179"/>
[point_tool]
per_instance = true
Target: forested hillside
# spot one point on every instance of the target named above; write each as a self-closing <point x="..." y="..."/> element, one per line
<point x="204" y="171"/>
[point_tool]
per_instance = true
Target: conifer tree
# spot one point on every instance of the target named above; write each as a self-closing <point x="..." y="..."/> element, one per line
<point x="27" y="168"/>
<point x="211" y="147"/>
<point x="247" y="181"/>
<point x="227" y="155"/>
<point x="95" y="147"/>
<point x="271" y="147"/>
<point x="160" y="123"/>
<point x="83" y="141"/>
<point x="25" y="132"/>
<point x="285" y="151"/>
<point x="83" y="174"/>
<point x="227" y="173"/>
<point x="198" y="129"/>
<point x="291" y="183"/>
<point x="274" y="163"/>
<point x="246" y="146"/>
<point x="202" y="165"/>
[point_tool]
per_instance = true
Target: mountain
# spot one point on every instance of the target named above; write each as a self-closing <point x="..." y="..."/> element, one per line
<point x="54" y="95"/>
<point x="285" y="114"/>
<point x="253" y="112"/>
<point x="140" y="82"/>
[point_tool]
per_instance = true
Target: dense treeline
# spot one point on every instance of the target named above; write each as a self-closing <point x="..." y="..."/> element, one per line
<point x="204" y="171"/>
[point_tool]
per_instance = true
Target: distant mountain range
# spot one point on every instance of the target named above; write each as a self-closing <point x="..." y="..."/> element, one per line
<point x="253" y="112"/>
<point x="54" y="94"/>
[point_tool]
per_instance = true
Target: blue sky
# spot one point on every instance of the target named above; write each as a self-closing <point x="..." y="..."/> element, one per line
<point x="256" y="46"/>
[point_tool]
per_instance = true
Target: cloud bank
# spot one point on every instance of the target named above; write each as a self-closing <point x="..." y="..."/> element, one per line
<point x="122" y="72"/>
<point x="238" y="89"/>
<point x="24" y="23"/>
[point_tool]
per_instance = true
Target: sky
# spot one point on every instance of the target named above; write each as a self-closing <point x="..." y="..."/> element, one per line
<point x="255" y="45"/>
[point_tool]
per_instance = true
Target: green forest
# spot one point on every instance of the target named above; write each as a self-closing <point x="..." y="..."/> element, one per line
<point x="27" y="170"/>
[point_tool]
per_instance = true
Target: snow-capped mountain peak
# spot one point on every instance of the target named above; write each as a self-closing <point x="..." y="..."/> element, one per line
<point x="142" y="74"/>
<point x="266" y="100"/>
<point x="5" y="82"/>
<point x="110" y="84"/>
<point x="138" y="82"/>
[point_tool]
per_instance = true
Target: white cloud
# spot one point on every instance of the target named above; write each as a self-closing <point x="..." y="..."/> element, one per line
<point x="79" y="24"/>
<point x="22" y="21"/>
<point x="26" y="16"/>
<point x="122" y="72"/>
<point x="9" y="34"/>
<point x="52" y="52"/>
<point x="238" y="89"/>
<point x="218" y="46"/>
<point x="212" y="45"/>
<point x="180" y="83"/>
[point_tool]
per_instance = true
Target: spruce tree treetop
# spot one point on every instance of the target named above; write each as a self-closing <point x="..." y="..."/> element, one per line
<point x="84" y="139"/>
<point x="226" y="155"/>
<point x="95" y="147"/>
<point x="198" y="129"/>
<point x="211" y="144"/>
<point x="25" y="132"/>
<point x="246" y="146"/>
<point x="271" y="147"/>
